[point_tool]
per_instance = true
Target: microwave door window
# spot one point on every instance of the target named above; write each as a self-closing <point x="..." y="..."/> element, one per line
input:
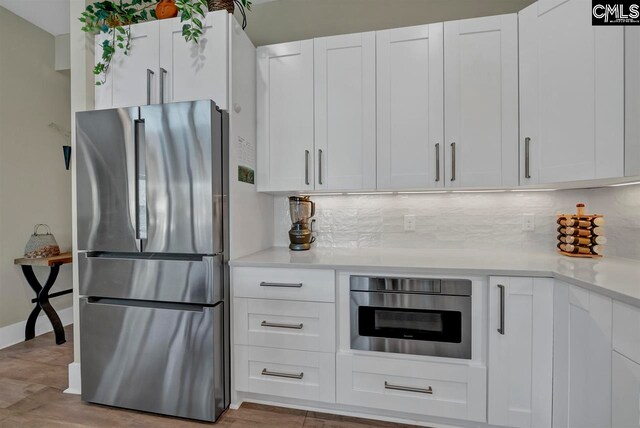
<point x="428" y="325"/>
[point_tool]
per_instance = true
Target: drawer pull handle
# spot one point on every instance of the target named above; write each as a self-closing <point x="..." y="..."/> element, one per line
<point x="274" y="324"/>
<point x="427" y="390"/>
<point x="280" y="284"/>
<point x="266" y="372"/>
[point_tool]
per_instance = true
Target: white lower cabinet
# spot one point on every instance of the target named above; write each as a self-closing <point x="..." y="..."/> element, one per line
<point x="285" y="373"/>
<point x="582" y="358"/>
<point x="307" y="326"/>
<point x="625" y="370"/>
<point x="426" y="388"/>
<point x="520" y="351"/>
<point x="626" y="392"/>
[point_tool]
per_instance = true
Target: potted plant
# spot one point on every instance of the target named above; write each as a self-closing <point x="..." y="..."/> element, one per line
<point x="114" y="17"/>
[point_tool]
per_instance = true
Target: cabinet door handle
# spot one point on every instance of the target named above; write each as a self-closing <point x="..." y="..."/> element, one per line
<point x="427" y="390"/>
<point x="527" y="157"/>
<point x="266" y="372"/>
<point x="306" y="167"/>
<point x="319" y="166"/>
<point x="163" y="73"/>
<point x="437" y="162"/>
<point x="281" y="284"/>
<point x="501" y="328"/>
<point x="453" y="161"/>
<point x="149" y="74"/>
<point x="277" y="325"/>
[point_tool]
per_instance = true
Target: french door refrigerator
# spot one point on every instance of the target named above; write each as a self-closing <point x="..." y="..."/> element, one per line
<point x="152" y="257"/>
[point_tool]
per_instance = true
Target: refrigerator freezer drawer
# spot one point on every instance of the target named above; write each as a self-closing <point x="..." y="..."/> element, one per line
<point x="165" y="359"/>
<point x="197" y="280"/>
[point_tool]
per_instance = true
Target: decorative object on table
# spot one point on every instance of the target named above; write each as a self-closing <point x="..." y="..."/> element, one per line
<point x="580" y="234"/>
<point x="42" y="293"/>
<point x="166" y="9"/>
<point x="66" y="149"/>
<point x="229" y="6"/>
<point x="41" y="245"/>
<point x="301" y="209"/>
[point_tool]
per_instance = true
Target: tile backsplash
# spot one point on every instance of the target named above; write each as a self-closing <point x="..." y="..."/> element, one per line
<point x="466" y="220"/>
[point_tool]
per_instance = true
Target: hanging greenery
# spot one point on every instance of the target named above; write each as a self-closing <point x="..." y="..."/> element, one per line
<point x="114" y="18"/>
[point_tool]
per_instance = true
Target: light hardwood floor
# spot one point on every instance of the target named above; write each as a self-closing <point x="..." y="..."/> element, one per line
<point x="33" y="375"/>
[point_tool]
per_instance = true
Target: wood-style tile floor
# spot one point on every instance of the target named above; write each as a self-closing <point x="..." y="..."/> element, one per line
<point x="33" y="375"/>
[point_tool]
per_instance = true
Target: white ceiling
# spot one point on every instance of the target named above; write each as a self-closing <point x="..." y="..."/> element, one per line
<point x="50" y="15"/>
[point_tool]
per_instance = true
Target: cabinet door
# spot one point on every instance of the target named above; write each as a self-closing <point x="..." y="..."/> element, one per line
<point x="191" y="71"/>
<point x="571" y="94"/>
<point x="285" y="117"/>
<point x="345" y="111"/>
<point x="520" y="351"/>
<point x="131" y="82"/>
<point x="481" y="101"/>
<point x="410" y="107"/>
<point x="626" y="392"/>
<point x="582" y="358"/>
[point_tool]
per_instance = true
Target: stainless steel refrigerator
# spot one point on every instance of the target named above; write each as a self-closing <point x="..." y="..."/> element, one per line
<point x="152" y="224"/>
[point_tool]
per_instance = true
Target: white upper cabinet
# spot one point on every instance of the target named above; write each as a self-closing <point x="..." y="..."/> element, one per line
<point x="163" y="67"/>
<point x="345" y="111"/>
<point x="191" y="71"/>
<point x="410" y="90"/>
<point x="481" y="101"/>
<point x="632" y="100"/>
<point x="520" y="351"/>
<point x="571" y="94"/>
<point x="132" y="79"/>
<point x="285" y="117"/>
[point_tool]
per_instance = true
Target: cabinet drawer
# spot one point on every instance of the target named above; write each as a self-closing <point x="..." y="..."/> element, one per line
<point x="288" y="284"/>
<point x="285" y="373"/>
<point x="626" y="330"/>
<point x="307" y="326"/>
<point x="434" y="389"/>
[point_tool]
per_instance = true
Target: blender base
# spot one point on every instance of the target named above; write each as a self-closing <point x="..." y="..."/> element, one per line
<point x="300" y="247"/>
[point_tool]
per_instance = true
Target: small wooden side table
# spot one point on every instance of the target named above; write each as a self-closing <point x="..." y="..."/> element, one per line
<point x="42" y="293"/>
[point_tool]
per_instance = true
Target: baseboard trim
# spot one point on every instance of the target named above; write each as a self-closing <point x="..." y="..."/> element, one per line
<point x="74" y="379"/>
<point x="14" y="333"/>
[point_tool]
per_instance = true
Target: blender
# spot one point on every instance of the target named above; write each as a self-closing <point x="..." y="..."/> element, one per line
<point x="301" y="210"/>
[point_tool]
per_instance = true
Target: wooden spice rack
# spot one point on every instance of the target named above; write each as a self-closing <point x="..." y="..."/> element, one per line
<point x="582" y="232"/>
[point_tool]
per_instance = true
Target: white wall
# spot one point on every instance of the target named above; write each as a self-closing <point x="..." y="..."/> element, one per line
<point x="34" y="185"/>
<point x="467" y="220"/>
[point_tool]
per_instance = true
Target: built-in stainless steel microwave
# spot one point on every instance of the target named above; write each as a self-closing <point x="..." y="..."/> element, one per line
<point x="411" y="316"/>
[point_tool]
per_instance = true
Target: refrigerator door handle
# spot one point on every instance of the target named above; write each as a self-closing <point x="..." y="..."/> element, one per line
<point x="141" y="182"/>
<point x="211" y="280"/>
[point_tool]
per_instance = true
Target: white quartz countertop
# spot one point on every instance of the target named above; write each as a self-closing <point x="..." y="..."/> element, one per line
<point x="614" y="277"/>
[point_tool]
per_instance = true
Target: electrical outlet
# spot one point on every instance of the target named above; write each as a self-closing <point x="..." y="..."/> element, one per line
<point x="528" y="222"/>
<point x="409" y="223"/>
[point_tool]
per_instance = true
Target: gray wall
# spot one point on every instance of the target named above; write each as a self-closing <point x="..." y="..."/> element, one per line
<point x="287" y="20"/>
<point x="34" y="186"/>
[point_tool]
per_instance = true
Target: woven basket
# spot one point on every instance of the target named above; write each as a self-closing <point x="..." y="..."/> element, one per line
<point x="41" y="245"/>
<point x="221" y="4"/>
